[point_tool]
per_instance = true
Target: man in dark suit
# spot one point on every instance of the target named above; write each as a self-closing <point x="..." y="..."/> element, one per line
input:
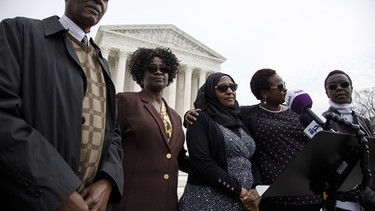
<point x="60" y="148"/>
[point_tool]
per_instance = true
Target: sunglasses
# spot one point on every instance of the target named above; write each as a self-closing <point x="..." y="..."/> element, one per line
<point x="281" y="87"/>
<point x="223" y="88"/>
<point x="343" y="84"/>
<point x="153" y="69"/>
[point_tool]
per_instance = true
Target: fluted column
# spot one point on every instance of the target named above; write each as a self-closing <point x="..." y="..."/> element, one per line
<point x="202" y="77"/>
<point x="172" y="94"/>
<point x="187" y="88"/>
<point x="135" y="87"/>
<point x="120" y="77"/>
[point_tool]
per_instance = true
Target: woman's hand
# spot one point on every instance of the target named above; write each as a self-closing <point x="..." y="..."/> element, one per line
<point x="250" y="199"/>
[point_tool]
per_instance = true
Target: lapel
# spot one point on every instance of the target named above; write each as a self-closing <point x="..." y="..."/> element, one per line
<point x="145" y="97"/>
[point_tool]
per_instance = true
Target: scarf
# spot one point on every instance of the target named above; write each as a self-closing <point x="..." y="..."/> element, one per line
<point x="208" y="102"/>
<point x="345" y="109"/>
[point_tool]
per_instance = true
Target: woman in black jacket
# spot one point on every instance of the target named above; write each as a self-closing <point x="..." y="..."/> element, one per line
<point x="220" y="150"/>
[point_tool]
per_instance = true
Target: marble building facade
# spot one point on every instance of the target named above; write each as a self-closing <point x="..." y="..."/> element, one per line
<point x="197" y="61"/>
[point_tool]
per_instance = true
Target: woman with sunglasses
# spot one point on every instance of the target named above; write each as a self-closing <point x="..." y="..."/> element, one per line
<point x="279" y="137"/>
<point x="152" y="135"/>
<point x="220" y="150"/>
<point x="339" y="89"/>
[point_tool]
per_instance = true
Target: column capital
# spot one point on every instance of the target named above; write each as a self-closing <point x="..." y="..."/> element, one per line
<point x="122" y="53"/>
<point x="105" y="52"/>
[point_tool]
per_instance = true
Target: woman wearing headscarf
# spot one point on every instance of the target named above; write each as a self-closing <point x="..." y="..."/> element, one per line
<point x="278" y="135"/>
<point x="220" y="150"/>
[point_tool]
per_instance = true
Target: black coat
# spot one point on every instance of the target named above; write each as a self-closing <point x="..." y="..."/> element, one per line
<point x="42" y="87"/>
<point x="366" y="127"/>
<point x="364" y="123"/>
<point x="209" y="165"/>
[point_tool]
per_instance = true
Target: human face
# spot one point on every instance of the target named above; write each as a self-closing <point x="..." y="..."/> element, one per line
<point x="85" y="13"/>
<point x="155" y="80"/>
<point x="227" y="98"/>
<point x="274" y="95"/>
<point x="340" y="95"/>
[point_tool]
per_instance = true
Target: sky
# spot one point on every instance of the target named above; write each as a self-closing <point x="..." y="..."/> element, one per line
<point x="303" y="40"/>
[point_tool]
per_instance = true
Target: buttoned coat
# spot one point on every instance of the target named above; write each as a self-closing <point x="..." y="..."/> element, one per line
<point x="150" y="164"/>
<point x="42" y="86"/>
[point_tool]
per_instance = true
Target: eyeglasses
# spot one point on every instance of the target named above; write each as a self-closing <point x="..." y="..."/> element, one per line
<point x="153" y="69"/>
<point x="281" y="87"/>
<point x="223" y="88"/>
<point x="343" y="84"/>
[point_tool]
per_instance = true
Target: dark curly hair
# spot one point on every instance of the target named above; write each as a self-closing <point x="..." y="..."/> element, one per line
<point x="142" y="57"/>
<point x="260" y="81"/>
<point x="334" y="72"/>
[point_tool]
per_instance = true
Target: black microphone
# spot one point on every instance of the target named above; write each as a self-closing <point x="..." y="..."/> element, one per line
<point x="305" y="119"/>
<point x="300" y="102"/>
<point x="311" y="127"/>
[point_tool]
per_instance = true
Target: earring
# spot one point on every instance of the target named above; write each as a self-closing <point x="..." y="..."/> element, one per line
<point x="264" y="99"/>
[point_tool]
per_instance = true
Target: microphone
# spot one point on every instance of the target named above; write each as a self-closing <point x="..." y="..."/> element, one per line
<point x="311" y="127"/>
<point x="300" y="102"/>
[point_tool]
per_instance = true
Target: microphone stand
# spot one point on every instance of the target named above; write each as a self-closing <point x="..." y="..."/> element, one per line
<point x="357" y="194"/>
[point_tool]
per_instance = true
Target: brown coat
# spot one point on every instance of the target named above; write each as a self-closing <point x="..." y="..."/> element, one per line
<point x="150" y="163"/>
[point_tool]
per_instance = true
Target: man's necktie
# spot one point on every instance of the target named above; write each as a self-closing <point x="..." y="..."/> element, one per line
<point x="84" y="40"/>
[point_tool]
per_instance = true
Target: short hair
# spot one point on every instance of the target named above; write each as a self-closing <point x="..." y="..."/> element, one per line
<point x="334" y="72"/>
<point x="142" y="57"/>
<point x="260" y="80"/>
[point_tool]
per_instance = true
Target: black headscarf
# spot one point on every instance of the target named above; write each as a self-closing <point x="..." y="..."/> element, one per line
<point x="208" y="102"/>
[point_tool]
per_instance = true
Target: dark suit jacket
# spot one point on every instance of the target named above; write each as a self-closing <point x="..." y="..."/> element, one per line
<point x="150" y="164"/>
<point x="366" y="127"/>
<point x="42" y="86"/>
<point x="364" y="123"/>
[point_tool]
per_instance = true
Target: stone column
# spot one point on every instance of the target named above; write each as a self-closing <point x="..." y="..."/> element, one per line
<point x="120" y="77"/>
<point x="187" y="88"/>
<point x="172" y="97"/>
<point x="202" y="77"/>
<point x="135" y="87"/>
<point x="105" y="52"/>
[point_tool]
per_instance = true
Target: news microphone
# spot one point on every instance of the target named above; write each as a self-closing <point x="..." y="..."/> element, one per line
<point x="311" y="127"/>
<point x="300" y="102"/>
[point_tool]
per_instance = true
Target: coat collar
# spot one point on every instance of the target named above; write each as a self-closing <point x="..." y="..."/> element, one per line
<point x="146" y="98"/>
<point x="52" y="25"/>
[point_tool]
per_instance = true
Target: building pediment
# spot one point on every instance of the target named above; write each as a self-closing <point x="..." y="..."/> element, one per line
<point x="164" y="35"/>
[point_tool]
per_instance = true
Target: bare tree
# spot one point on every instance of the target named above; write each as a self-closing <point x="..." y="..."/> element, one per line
<point x="364" y="103"/>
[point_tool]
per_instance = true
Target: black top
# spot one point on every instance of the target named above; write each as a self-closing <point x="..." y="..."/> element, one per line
<point x="279" y="137"/>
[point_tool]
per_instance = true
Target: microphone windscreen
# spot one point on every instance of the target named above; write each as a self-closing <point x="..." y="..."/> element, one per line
<point x="298" y="100"/>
